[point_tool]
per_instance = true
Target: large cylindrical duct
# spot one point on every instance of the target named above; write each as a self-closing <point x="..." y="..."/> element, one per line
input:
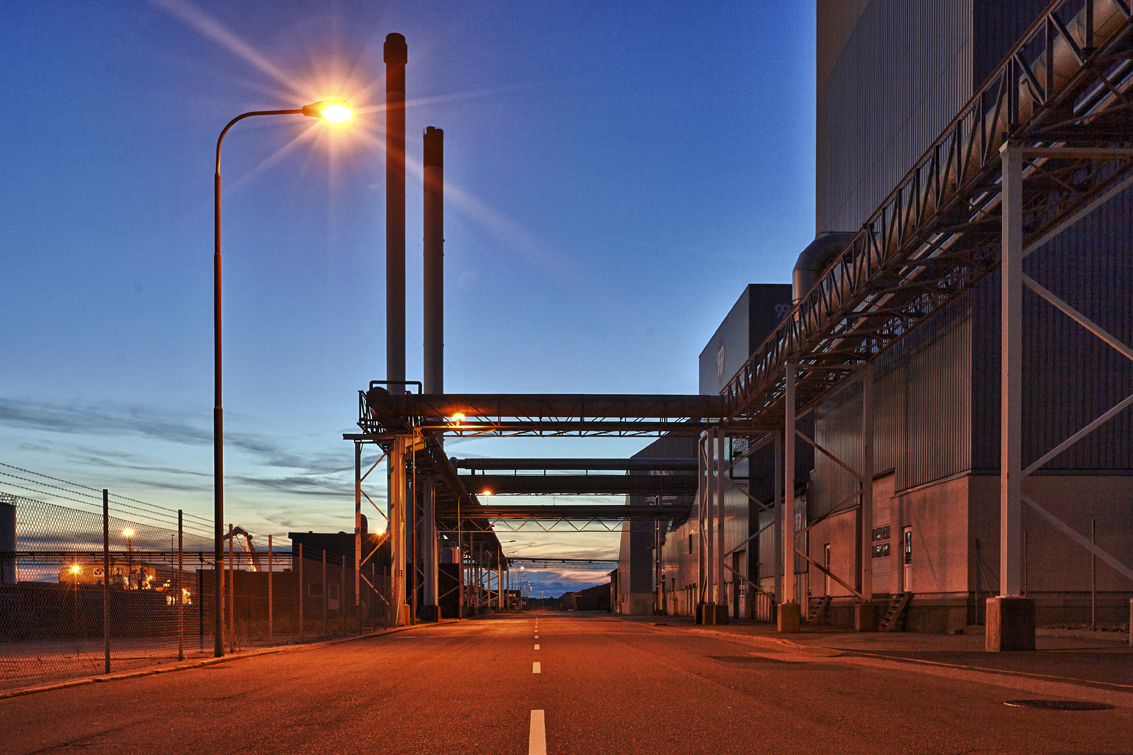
<point x="396" y="54"/>
<point x="814" y="259"/>
<point x="7" y="543"/>
<point x="434" y="213"/>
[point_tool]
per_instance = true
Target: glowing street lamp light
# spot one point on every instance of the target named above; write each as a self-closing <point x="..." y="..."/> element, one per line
<point x="129" y="535"/>
<point x="331" y="110"/>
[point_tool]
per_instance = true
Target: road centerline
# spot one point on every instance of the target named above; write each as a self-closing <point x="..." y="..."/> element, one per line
<point x="537" y="738"/>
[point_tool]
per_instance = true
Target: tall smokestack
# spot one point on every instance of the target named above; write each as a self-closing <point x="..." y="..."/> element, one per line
<point x="396" y="54"/>
<point x="434" y="260"/>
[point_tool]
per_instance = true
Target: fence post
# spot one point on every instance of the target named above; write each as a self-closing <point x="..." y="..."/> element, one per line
<point x="180" y="591"/>
<point x="106" y="578"/>
<point x="342" y="595"/>
<point x="300" y="589"/>
<point x="324" y="592"/>
<point x="231" y="628"/>
<point x="201" y="601"/>
<point x="271" y="609"/>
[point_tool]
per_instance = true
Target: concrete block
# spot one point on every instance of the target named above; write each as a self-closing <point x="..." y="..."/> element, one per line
<point x="1010" y="624"/>
<point x="428" y="613"/>
<point x="789" y="618"/>
<point x="721" y="614"/>
<point x="867" y="617"/>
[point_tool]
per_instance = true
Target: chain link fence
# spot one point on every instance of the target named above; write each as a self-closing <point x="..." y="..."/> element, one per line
<point x="84" y="593"/>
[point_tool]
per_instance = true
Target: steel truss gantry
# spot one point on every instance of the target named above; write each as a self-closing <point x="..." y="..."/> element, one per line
<point x="1045" y="141"/>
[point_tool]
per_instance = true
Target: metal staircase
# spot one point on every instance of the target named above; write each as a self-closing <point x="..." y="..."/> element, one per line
<point x="895" y="616"/>
<point x="817" y="609"/>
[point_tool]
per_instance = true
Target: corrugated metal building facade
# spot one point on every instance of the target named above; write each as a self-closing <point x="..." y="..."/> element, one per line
<point x="757" y="311"/>
<point x="891" y="75"/>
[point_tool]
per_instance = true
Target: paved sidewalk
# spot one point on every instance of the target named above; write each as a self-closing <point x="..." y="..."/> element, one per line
<point x="1083" y="660"/>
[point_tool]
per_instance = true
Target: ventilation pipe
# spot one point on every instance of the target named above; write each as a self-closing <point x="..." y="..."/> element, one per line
<point x="434" y="213"/>
<point x="815" y="258"/>
<point x="396" y="54"/>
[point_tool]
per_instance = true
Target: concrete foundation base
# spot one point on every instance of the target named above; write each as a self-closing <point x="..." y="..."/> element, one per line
<point x="709" y="613"/>
<point x="428" y="613"/>
<point x="788" y="618"/>
<point x="867" y="617"/>
<point x="1010" y="624"/>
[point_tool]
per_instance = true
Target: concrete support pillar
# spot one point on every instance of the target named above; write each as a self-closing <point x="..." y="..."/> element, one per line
<point x="1013" y="627"/>
<point x="789" y="613"/>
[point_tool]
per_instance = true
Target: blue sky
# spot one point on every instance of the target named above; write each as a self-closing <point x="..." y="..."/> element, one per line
<point x="616" y="173"/>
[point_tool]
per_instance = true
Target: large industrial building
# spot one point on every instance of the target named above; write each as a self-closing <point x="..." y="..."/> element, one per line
<point x="913" y="438"/>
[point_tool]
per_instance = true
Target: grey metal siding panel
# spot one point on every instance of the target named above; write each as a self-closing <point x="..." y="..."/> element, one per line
<point x="1070" y="377"/>
<point x="886" y="99"/>
<point x="936" y="375"/>
<point x="922" y="412"/>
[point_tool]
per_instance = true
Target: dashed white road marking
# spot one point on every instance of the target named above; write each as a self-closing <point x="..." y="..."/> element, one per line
<point x="536" y="645"/>
<point x="537" y="739"/>
<point x="535" y="668"/>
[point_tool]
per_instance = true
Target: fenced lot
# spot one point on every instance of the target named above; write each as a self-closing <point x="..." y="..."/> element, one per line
<point x="84" y="593"/>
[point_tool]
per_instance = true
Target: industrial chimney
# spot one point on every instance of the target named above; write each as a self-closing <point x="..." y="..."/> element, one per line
<point x="434" y="213"/>
<point x="396" y="54"/>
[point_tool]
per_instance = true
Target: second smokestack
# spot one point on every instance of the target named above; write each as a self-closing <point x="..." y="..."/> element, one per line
<point x="396" y="53"/>
<point x="434" y="214"/>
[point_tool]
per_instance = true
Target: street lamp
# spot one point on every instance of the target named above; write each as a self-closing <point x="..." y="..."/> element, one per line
<point x="330" y="110"/>
<point x="129" y="534"/>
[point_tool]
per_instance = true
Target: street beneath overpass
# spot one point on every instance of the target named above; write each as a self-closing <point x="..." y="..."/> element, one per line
<point x="588" y="683"/>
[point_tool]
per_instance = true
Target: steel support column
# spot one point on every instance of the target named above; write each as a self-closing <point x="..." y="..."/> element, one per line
<point x="1010" y="621"/>
<point x="866" y="543"/>
<point x="429" y="549"/>
<point x="721" y="471"/>
<point x="358" y="531"/>
<point x="789" y="609"/>
<point x="777" y="521"/>
<point x="1011" y="385"/>
<point x="397" y="512"/>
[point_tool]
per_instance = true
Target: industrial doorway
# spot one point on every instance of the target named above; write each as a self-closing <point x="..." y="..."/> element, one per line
<point x="826" y="576"/>
<point x="907" y="559"/>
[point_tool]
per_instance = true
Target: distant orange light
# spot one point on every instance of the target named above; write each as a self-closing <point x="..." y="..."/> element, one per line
<point x="76" y="569"/>
<point x="486" y="492"/>
<point x="128" y="532"/>
<point x="456" y="418"/>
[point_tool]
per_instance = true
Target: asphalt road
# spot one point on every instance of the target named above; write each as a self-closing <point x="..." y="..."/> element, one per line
<point x="603" y="686"/>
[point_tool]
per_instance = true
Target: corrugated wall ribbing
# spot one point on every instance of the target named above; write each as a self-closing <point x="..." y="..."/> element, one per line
<point x="1069" y="376"/>
<point x="938" y="408"/>
<point x="888" y="97"/>
<point x="838" y="424"/>
<point x="922" y="412"/>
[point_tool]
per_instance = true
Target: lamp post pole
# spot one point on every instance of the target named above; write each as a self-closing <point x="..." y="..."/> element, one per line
<point x="331" y="110"/>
